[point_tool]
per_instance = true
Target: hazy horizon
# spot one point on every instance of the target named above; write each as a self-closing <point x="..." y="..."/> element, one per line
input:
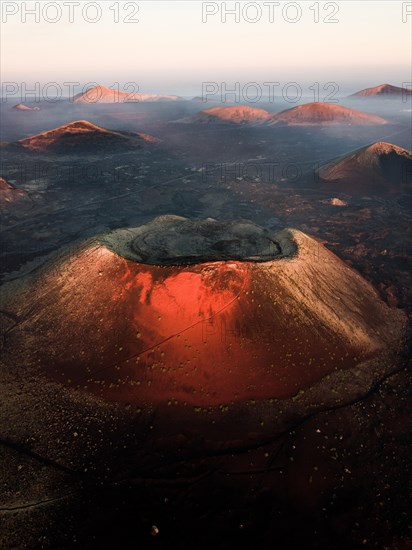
<point x="170" y="49"/>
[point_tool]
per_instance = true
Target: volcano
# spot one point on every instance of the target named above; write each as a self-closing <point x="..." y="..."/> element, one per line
<point x="324" y="114"/>
<point x="228" y="115"/>
<point x="84" y="137"/>
<point x="22" y="107"/>
<point x="383" y="90"/>
<point x="203" y="313"/>
<point x="101" y="94"/>
<point x="380" y="168"/>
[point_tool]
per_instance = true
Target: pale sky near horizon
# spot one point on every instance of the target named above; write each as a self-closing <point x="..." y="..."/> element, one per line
<point x="172" y="50"/>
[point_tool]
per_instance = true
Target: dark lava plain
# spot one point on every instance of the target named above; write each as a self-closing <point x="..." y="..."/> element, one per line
<point x="77" y="472"/>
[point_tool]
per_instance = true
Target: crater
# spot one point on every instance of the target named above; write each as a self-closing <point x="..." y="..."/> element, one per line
<point x="174" y="240"/>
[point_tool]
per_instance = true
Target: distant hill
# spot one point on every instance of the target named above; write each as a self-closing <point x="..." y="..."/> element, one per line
<point x="22" y="107"/>
<point x="324" y="114"/>
<point x="383" y="90"/>
<point x="101" y="94"/>
<point x="82" y="136"/>
<point x="233" y="115"/>
<point x="379" y="168"/>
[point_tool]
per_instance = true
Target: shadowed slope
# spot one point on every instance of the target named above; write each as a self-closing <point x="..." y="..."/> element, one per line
<point x="378" y="168"/>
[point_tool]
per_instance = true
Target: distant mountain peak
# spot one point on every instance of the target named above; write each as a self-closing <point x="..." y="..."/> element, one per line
<point x="382" y="90"/>
<point x="102" y="94"/>
<point x="22" y="107"/>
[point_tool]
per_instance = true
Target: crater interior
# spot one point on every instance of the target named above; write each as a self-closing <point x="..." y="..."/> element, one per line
<point x="174" y="240"/>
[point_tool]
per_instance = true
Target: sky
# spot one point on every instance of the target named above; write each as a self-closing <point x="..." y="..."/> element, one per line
<point x="175" y="46"/>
